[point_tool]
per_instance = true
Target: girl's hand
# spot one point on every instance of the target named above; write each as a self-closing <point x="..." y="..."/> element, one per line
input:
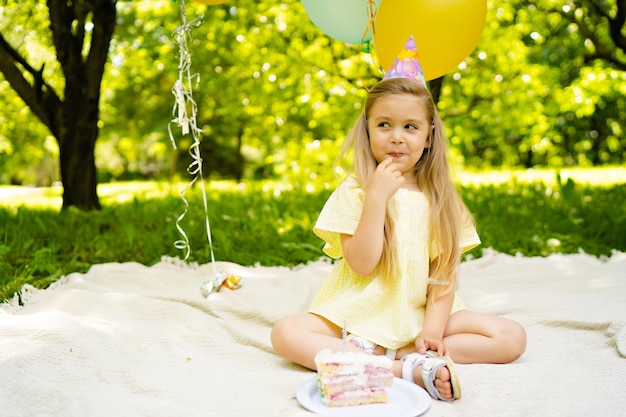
<point x="430" y="342"/>
<point x="386" y="180"/>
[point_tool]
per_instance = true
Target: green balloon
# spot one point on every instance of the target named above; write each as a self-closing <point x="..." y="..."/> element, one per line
<point x="344" y="20"/>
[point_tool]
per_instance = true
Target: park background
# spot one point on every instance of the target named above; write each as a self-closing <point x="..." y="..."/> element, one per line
<point x="535" y="116"/>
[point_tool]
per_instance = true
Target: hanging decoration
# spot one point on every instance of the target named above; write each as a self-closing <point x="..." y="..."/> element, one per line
<point x="446" y="31"/>
<point x="349" y="21"/>
<point x="185" y="112"/>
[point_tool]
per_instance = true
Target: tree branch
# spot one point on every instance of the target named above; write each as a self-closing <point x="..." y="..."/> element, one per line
<point x="617" y="24"/>
<point x="39" y="96"/>
<point x="603" y="52"/>
<point x="104" y="15"/>
<point x="67" y="47"/>
<point x="606" y="57"/>
<point x="599" y="10"/>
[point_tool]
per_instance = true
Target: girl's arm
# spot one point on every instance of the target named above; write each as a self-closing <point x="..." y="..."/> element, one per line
<point x="436" y="318"/>
<point x="362" y="251"/>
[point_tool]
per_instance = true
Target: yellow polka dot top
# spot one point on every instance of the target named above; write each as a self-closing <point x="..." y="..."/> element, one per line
<point x="388" y="313"/>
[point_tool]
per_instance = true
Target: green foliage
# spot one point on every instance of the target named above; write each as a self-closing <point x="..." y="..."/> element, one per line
<point x="532" y="99"/>
<point x="28" y="153"/>
<point x="271" y="224"/>
<point x="251" y="223"/>
<point x="276" y="95"/>
<point x="269" y="85"/>
<point x="536" y="219"/>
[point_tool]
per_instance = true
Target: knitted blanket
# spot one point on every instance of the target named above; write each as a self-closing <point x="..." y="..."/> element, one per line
<point x="127" y="340"/>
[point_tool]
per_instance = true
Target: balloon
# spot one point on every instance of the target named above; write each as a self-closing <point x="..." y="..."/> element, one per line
<point x="446" y="31"/>
<point x="344" y="20"/>
<point x="211" y="1"/>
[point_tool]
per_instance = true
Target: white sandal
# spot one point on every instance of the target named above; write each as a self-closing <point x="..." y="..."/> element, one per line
<point x="430" y="363"/>
<point x="369" y="347"/>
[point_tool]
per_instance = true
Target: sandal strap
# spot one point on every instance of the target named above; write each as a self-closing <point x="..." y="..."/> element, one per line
<point x="429" y="371"/>
<point x="430" y="362"/>
<point x="370" y="347"/>
<point x="361" y="343"/>
<point x="409" y="363"/>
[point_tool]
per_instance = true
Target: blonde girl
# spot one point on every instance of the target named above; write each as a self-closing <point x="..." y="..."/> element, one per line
<point x="398" y="227"/>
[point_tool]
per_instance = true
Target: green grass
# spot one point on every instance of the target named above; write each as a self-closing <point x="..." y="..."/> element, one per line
<point x="270" y="224"/>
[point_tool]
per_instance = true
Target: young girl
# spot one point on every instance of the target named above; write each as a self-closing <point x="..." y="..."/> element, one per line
<point x="399" y="227"/>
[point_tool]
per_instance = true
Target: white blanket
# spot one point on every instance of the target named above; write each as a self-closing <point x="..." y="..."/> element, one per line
<point x="130" y="340"/>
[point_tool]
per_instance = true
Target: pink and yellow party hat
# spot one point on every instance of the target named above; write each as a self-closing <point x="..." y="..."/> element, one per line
<point x="407" y="64"/>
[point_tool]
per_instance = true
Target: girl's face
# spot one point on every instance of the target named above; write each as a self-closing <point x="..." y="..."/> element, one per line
<point x="399" y="129"/>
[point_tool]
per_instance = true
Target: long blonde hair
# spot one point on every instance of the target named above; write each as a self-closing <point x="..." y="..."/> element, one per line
<point x="448" y="212"/>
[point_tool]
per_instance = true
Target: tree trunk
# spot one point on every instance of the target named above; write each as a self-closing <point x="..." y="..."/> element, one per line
<point x="435" y="88"/>
<point x="77" y="142"/>
<point x="78" y="130"/>
<point x="71" y="117"/>
<point x="239" y="161"/>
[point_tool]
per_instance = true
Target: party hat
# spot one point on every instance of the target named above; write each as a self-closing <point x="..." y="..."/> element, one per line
<point x="407" y="64"/>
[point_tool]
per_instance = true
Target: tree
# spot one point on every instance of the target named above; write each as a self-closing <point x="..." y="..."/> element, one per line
<point x="599" y="24"/>
<point x="276" y="95"/>
<point x="81" y="33"/>
<point x="536" y="93"/>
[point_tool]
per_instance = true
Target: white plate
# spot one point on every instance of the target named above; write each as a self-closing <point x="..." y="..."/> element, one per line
<point x="405" y="400"/>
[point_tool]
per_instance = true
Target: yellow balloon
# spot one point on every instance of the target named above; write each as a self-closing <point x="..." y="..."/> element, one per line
<point x="446" y="31"/>
<point x="211" y="1"/>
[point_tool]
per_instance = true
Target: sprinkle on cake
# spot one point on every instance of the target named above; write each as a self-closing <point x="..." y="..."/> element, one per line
<point x="352" y="378"/>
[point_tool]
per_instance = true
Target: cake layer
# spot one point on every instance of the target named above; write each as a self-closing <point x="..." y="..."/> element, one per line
<point x="337" y="382"/>
<point x="352" y="378"/>
<point x="359" y="397"/>
<point x="356" y="359"/>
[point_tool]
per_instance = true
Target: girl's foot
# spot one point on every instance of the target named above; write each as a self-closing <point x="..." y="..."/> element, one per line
<point x="442" y="381"/>
<point x="434" y="373"/>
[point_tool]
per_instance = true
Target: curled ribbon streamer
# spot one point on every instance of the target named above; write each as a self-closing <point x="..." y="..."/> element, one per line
<point x="185" y="116"/>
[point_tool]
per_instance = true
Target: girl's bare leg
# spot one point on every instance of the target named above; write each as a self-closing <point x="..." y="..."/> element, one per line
<point x="473" y="337"/>
<point x="470" y="337"/>
<point x="298" y="338"/>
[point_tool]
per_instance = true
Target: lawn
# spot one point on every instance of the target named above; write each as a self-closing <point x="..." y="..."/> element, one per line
<point x="531" y="213"/>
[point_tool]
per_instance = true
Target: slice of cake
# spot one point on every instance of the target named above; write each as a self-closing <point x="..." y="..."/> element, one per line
<point x="352" y="378"/>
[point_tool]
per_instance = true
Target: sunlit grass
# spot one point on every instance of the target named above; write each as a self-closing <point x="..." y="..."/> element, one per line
<point x="120" y="192"/>
<point x="111" y="193"/>
<point x="591" y="176"/>
<point x="533" y="213"/>
<point x="14" y="196"/>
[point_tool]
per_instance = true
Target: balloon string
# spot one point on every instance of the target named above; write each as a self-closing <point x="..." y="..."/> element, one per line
<point x="185" y="112"/>
<point x="371" y="13"/>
